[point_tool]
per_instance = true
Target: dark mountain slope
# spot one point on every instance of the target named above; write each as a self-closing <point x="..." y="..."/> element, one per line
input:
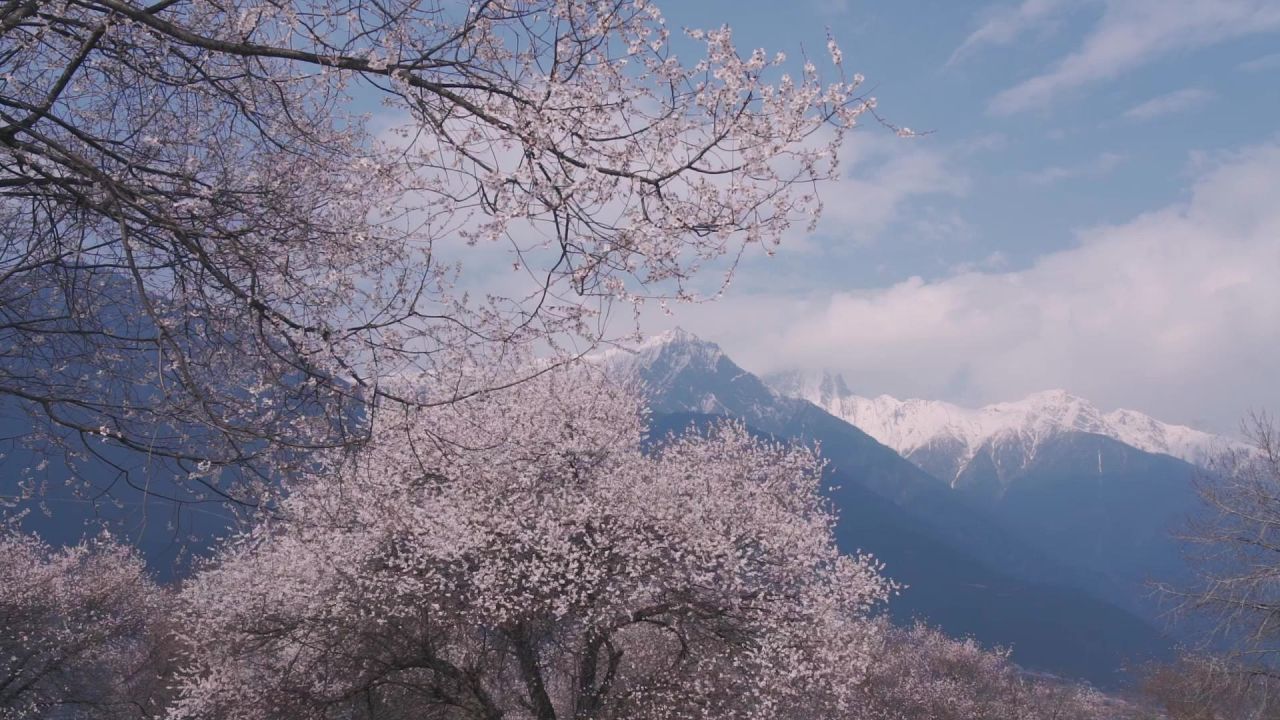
<point x="968" y="571"/>
<point x="1095" y="501"/>
<point x="1049" y="627"/>
<point x="682" y="373"/>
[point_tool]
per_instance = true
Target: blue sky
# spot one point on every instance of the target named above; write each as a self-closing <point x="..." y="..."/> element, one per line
<point x="1096" y="208"/>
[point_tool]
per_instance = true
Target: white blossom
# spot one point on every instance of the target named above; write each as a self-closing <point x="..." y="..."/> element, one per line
<point x="539" y="565"/>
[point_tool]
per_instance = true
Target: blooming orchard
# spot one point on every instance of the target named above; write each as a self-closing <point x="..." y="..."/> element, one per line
<point x="541" y="566"/>
<point x="73" y="628"/>
<point x="550" y="561"/>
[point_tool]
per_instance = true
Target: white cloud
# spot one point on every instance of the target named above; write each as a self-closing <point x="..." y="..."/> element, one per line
<point x="1169" y="104"/>
<point x="1176" y="312"/>
<point x="1097" y="167"/>
<point x="1004" y="25"/>
<point x="984" y="143"/>
<point x="880" y="174"/>
<point x="995" y="261"/>
<point x="1261" y="64"/>
<point x="1131" y="33"/>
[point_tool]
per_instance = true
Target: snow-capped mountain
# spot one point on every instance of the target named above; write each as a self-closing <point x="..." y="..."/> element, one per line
<point x="944" y="438"/>
<point x="660" y="360"/>
<point x="681" y="372"/>
<point x="989" y="564"/>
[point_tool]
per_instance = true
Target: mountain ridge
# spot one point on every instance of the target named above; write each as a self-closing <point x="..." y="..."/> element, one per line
<point x="945" y="438"/>
<point x="967" y="569"/>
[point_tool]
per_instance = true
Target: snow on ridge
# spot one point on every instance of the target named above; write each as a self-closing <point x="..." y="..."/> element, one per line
<point x="1180" y="441"/>
<point x="912" y="424"/>
<point x="646" y="349"/>
<point x="665" y="356"/>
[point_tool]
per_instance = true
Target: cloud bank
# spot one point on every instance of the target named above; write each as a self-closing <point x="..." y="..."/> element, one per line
<point x="1129" y="34"/>
<point x="1175" y="312"/>
<point x="879" y="174"/>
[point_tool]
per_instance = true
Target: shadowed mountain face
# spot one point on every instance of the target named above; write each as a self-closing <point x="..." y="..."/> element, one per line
<point x="1101" y="490"/>
<point x="966" y="568"/>
<point x="111" y="490"/>
<point x="1098" y="502"/>
<point x="1050" y="627"/>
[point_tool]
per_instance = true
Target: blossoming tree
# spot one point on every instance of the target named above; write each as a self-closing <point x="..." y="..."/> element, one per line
<point x="541" y="566"/>
<point x="212" y="255"/>
<point x="918" y="673"/>
<point x="74" y="630"/>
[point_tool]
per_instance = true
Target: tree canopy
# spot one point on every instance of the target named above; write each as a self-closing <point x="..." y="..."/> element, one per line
<point x="543" y="567"/>
<point x="214" y="253"/>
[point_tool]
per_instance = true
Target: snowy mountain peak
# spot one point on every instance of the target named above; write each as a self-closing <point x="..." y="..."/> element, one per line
<point x="680" y="372"/>
<point x="677" y="345"/>
<point x="819" y="388"/>
<point x="1014" y="429"/>
<point x="669" y="364"/>
<point x="674" y="336"/>
<point x="1045" y="412"/>
<point x="1054" y="400"/>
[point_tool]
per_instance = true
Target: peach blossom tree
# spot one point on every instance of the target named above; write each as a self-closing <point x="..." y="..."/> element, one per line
<point x="538" y="566"/>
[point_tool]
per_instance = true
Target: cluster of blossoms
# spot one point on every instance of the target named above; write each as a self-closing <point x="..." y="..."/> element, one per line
<point x="212" y="255"/>
<point x="919" y="673"/>
<point x="548" y="560"/>
<point x="73" y="628"/>
<point x="541" y="566"/>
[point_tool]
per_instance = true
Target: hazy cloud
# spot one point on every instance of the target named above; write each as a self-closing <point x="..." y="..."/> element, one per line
<point x="1131" y="33"/>
<point x="1170" y="104"/>
<point x="1099" y="166"/>
<point x="879" y="174"/>
<point x="1003" y="25"/>
<point x="1176" y="312"/>
<point x="1261" y="64"/>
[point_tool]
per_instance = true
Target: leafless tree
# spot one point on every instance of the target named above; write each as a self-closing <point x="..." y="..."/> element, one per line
<point x="1234" y="550"/>
<point x="1209" y="687"/>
